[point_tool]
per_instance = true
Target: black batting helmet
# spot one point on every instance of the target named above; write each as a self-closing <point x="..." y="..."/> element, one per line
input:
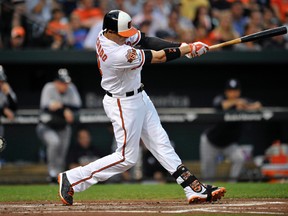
<point x="120" y="22"/>
<point x="3" y="76"/>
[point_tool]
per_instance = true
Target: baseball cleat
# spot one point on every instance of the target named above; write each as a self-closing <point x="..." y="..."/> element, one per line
<point x="202" y="193"/>
<point x="66" y="192"/>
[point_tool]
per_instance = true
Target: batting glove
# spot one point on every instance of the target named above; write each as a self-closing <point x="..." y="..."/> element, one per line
<point x="198" y="48"/>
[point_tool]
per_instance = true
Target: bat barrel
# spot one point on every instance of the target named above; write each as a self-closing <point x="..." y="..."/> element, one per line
<point x="264" y="34"/>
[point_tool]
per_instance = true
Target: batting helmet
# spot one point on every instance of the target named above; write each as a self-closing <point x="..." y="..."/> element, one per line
<point x="3" y="76"/>
<point x="120" y="22"/>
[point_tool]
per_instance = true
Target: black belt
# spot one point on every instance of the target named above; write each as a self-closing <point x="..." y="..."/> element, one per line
<point x="130" y="93"/>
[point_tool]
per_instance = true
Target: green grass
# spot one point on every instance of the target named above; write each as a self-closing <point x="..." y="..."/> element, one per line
<point x="12" y="193"/>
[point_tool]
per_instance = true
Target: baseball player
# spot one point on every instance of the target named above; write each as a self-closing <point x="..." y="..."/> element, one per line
<point x="8" y="104"/>
<point x="222" y="139"/>
<point x="59" y="103"/>
<point x="131" y="111"/>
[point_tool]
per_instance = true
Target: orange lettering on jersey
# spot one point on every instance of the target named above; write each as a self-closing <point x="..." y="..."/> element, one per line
<point x="131" y="55"/>
<point x="100" y="51"/>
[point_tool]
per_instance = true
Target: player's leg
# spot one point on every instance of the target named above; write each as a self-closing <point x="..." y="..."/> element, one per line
<point x="237" y="157"/>
<point x="208" y="154"/>
<point x="157" y="141"/>
<point x="127" y="118"/>
<point x="51" y="140"/>
<point x="65" y="137"/>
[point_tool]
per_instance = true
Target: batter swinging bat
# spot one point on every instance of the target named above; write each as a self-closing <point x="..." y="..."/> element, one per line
<point x="253" y="37"/>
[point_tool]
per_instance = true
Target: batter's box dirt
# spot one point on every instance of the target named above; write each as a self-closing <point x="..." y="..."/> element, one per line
<point x="172" y="207"/>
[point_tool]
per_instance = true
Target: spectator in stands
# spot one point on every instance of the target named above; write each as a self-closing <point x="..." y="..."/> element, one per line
<point x="77" y="34"/>
<point x="189" y="7"/>
<point x="39" y="13"/>
<point x="133" y="7"/>
<point x="240" y="19"/>
<point x="251" y="45"/>
<point x="88" y="13"/>
<point x="182" y="31"/>
<point x="277" y="42"/>
<point x="59" y="105"/>
<point x="148" y="13"/>
<point x="83" y="151"/>
<point x="256" y="18"/>
<point x="280" y="8"/>
<point x="90" y="40"/>
<point x="57" y="30"/>
<point x="224" y="31"/>
<point x="18" y="18"/>
<point x="8" y="99"/>
<point x="268" y="17"/>
<point x="222" y="139"/>
<point x="202" y="34"/>
<point x="203" y="18"/>
<point x="17" y="40"/>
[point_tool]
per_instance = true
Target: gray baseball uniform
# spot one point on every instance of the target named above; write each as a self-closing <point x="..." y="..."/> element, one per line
<point x="53" y="130"/>
<point x="9" y="101"/>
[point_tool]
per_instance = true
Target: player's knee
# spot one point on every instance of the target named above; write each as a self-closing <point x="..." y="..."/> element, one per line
<point x="130" y="162"/>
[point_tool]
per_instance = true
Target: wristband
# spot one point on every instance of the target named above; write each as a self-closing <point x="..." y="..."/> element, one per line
<point x="172" y="53"/>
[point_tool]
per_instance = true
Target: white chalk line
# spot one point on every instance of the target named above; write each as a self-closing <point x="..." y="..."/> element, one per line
<point x="219" y="208"/>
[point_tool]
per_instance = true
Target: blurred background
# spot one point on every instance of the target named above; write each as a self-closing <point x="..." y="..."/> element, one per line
<point x="39" y="36"/>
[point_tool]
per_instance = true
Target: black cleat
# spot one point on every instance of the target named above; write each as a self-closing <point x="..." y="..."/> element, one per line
<point x="66" y="192"/>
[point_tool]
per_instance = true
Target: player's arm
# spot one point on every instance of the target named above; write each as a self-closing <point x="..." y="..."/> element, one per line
<point x="169" y="54"/>
<point x="155" y="43"/>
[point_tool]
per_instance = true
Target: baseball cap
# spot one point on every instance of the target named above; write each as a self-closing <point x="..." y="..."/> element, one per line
<point x="63" y="75"/>
<point x="3" y="76"/>
<point x="120" y="22"/>
<point x="17" y="31"/>
<point x="233" y="84"/>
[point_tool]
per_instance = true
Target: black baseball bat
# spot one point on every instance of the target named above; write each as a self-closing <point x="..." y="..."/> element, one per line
<point x="253" y="37"/>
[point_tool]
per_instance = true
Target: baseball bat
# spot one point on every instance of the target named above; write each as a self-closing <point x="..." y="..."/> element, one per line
<point x="252" y="37"/>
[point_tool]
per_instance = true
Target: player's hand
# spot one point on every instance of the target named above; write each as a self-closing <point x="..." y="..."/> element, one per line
<point x="241" y="104"/>
<point x="198" y="48"/>
<point x="8" y="113"/>
<point x="189" y="54"/>
<point x="55" y="105"/>
<point x="5" y="88"/>
<point x="68" y="115"/>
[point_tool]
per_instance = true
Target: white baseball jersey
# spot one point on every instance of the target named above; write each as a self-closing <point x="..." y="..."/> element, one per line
<point x="120" y="66"/>
<point x="133" y="116"/>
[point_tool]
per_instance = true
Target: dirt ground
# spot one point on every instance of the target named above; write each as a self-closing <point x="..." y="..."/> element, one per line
<point x="145" y="207"/>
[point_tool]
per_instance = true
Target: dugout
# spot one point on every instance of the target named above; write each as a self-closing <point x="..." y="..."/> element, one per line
<point x="183" y="83"/>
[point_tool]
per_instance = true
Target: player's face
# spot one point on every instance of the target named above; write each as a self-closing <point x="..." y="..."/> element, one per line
<point x="233" y="93"/>
<point x="62" y="87"/>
